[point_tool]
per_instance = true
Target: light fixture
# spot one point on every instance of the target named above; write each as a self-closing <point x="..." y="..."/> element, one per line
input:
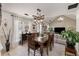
<point x="60" y="18"/>
<point x="26" y="14"/>
<point x="38" y="17"/>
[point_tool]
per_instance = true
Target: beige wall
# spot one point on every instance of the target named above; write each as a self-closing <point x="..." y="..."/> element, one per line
<point x="67" y="23"/>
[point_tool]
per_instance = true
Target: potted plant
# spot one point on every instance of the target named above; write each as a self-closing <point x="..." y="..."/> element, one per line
<point x="51" y="30"/>
<point x="71" y="37"/>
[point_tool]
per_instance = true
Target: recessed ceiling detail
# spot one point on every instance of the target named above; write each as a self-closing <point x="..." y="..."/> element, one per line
<point x="50" y="10"/>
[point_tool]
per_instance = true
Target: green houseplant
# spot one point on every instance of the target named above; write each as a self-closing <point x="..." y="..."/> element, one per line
<point x="71" y="37"/>
<point x="50" y="29"/>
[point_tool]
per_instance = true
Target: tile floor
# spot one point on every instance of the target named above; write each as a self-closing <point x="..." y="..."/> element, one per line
<point x="21" y="50"/>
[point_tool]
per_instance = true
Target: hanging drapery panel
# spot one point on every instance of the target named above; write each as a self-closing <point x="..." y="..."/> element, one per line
<point x="0" y="14"/>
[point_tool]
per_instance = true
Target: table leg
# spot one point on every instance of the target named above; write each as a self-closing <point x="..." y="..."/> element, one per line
<point x="47" y="50"/>
<point x="41" y="50"/>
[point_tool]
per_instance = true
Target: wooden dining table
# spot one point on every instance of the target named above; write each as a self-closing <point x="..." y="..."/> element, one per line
<point x="41" y="40"/>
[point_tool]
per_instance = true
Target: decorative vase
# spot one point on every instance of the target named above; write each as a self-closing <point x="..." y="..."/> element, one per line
<point x="7" y="44"/>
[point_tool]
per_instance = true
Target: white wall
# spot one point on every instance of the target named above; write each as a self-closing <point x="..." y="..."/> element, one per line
<point x="77" y="21"/>
<point x="6" y="17"/>
<point x="19" y="29"/>
<point x="13" y="23"/>
<point x="77" y="28"/>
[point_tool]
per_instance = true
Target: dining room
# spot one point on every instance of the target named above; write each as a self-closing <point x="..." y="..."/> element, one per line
<point x="29" y="29"/>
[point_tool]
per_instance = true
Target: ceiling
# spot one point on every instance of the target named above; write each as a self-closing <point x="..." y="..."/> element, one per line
<point x="50" y="10"/>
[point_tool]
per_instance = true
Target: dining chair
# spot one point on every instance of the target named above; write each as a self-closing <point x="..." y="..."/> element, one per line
<point x="46" y="44"/>
<point x="51" y="40"/>
<point x="32" y="44"/>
